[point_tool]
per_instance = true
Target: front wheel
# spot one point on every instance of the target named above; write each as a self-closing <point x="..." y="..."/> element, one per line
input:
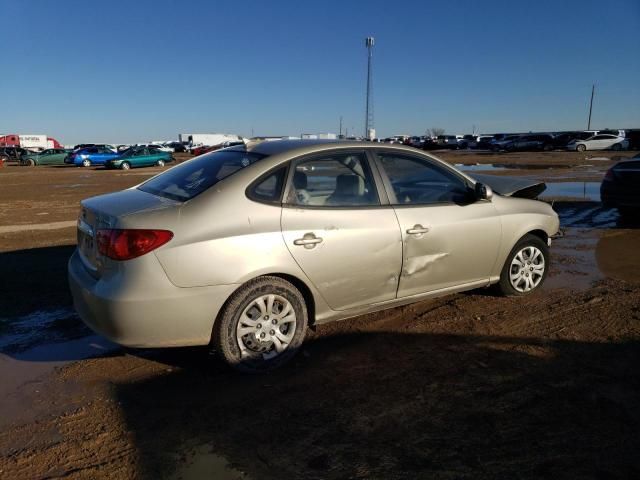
<point x="581" y="148"/>
<point x="86" y="162"/>
<point x="526" y="267"/>
<point x="30" y="162"/>
<point x="616" y="147"/>
<point x="125" y="166"/>
<point x="262" y="326"/>
<point x="160" y="163"/>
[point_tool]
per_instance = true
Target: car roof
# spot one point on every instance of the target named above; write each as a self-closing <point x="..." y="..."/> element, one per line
<point x="275" y="147"/>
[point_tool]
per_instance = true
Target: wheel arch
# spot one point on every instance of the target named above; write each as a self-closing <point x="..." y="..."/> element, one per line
<point x="304" y="289"/>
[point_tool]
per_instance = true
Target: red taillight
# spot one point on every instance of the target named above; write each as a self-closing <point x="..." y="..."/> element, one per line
<point x="126" y="244"/>
<point x="609" y="175"/>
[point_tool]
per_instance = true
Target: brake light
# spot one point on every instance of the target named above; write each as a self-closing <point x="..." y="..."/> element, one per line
<point x="609" y="175"/>
<point x="125" y="244"/>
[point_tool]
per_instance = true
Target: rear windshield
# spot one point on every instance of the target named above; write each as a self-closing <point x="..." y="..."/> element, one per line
<point x="191" y="178"/>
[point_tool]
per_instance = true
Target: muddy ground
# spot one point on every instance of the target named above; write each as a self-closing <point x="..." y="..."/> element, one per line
<point x="466" y="386"/>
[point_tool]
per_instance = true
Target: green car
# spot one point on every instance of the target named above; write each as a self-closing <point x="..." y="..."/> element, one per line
<point x="50" y="156"/>
<point x="139" y="157"/>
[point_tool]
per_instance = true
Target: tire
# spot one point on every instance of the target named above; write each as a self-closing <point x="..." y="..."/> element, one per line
<point x="247" y="353"/>
<point x="629" y="212"/>
<point x="581" y="147"/>
<point x="125" y="166"/>
<point x="616" y="147"/>
<point x="86" y="162"/>
<point x="160" y="163"/>
<point x="4" y="158"/>
<point x="547" y="148"/>
<point x="513" y="282"/>
<point x="30" y="162"/>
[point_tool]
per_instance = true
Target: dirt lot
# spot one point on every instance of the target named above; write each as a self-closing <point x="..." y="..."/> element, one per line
<point x="466" y="386"/>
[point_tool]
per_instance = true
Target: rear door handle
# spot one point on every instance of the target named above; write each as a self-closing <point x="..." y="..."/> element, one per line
<point x="308" y="240"/>
<point x="417" y="230"/>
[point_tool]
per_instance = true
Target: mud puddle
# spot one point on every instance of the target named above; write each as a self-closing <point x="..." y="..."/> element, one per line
<point x="31" y="347"/>
<point x="618" y="255"/>
<point x="204" y="463"/>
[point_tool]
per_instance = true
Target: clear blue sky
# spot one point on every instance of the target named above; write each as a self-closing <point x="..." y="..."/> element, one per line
<point x="125" y="71"/>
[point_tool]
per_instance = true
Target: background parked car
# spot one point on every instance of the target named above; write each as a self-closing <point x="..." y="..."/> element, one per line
<point x="176" y="147"/>
<point x="82" y="146"/>
<point x="484" y="142"/>
<point x="50" y="156"/>
<point x="90" y="156"/>
<point x="468" y="141"/>
<point x="528" y="143"/>
<point x="499" y="143"/>
<point x="620" y="187"/>
<point x="599" y="142"/>
<point x="447" y="141"/>
<point x="140" y="157"/>
<point x="12" y="153"/>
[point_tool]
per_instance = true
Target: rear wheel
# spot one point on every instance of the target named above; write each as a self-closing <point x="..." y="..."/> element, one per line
<point x="581" y="147"/>
<point x="86" y="162"/>
<point x="526" y="267"/>
<point x="262" y="326"/>
<point x="30" y="162"/>
<point x="125" y="166"/>
<point x="616" y="147"/>
<point x="547" y="148"/>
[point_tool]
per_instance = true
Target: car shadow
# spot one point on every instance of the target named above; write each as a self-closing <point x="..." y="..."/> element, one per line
<point x="394" y="405"/>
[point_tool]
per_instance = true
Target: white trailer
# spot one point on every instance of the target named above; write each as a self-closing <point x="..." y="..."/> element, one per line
<point x="35" y="141"/>
<point x="208" y="138"/>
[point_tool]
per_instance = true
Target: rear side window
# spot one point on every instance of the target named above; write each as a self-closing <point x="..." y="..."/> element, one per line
<point x="269" y="188"/>
<point x="191" y="178"/>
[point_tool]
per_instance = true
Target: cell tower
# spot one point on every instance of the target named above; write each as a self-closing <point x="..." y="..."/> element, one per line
<point x="369" y="129"/>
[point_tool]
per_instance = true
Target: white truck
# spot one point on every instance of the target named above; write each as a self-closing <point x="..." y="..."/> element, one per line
<point x="208" y="138"/>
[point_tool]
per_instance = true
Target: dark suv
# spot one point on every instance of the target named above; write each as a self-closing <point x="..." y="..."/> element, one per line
<point x="12" y="153"/>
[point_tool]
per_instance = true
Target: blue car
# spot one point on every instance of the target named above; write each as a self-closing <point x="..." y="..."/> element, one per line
<point x="91" y="156"/>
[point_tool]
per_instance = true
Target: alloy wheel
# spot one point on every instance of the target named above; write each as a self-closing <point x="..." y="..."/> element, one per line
<point x="527" y="269"/>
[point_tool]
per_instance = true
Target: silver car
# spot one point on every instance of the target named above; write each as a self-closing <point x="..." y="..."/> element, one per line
<point x="244" y="248"/>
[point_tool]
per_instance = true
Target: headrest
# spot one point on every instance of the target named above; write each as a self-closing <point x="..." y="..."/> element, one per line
<point x="299" y="180"/>
<point x="347" y="184"/>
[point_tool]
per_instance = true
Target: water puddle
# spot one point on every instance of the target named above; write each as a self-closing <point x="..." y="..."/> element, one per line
<point x="572" y="190"/>
<point x="204" y="463"/>
<point x="479" y="167"/>
<point x="32" y="346"/>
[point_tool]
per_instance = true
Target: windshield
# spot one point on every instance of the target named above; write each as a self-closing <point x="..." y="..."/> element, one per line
<point x="193" y="177"/>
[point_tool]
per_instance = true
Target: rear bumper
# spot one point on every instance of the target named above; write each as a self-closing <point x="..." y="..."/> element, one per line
<point x="615" y="196"/>
<point x="142" y="308"/>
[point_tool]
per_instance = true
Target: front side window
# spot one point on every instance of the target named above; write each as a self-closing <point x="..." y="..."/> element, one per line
<point x="333" y="180"/>
<point x="193" y="177"/>
<point x="417" y="181"/>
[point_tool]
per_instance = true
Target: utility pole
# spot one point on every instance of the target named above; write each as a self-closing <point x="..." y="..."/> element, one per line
<point x="593" y="88"/>
<point x="340" y="134"/>
<point x="369" y="130"/>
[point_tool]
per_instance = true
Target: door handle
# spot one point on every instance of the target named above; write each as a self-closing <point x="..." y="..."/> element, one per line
<point x="308" y="240"/>
<point x="417" y="230"/>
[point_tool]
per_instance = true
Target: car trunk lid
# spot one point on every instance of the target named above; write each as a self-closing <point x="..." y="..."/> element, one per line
<point x="112" y="211"/>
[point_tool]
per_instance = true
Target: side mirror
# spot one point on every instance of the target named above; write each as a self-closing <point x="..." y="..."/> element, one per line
<point x="483" y="192"/>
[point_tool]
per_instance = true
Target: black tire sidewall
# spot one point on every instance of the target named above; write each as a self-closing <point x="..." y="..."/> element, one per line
<point x="504" y="284"/>
<point x="224" y="335"/>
